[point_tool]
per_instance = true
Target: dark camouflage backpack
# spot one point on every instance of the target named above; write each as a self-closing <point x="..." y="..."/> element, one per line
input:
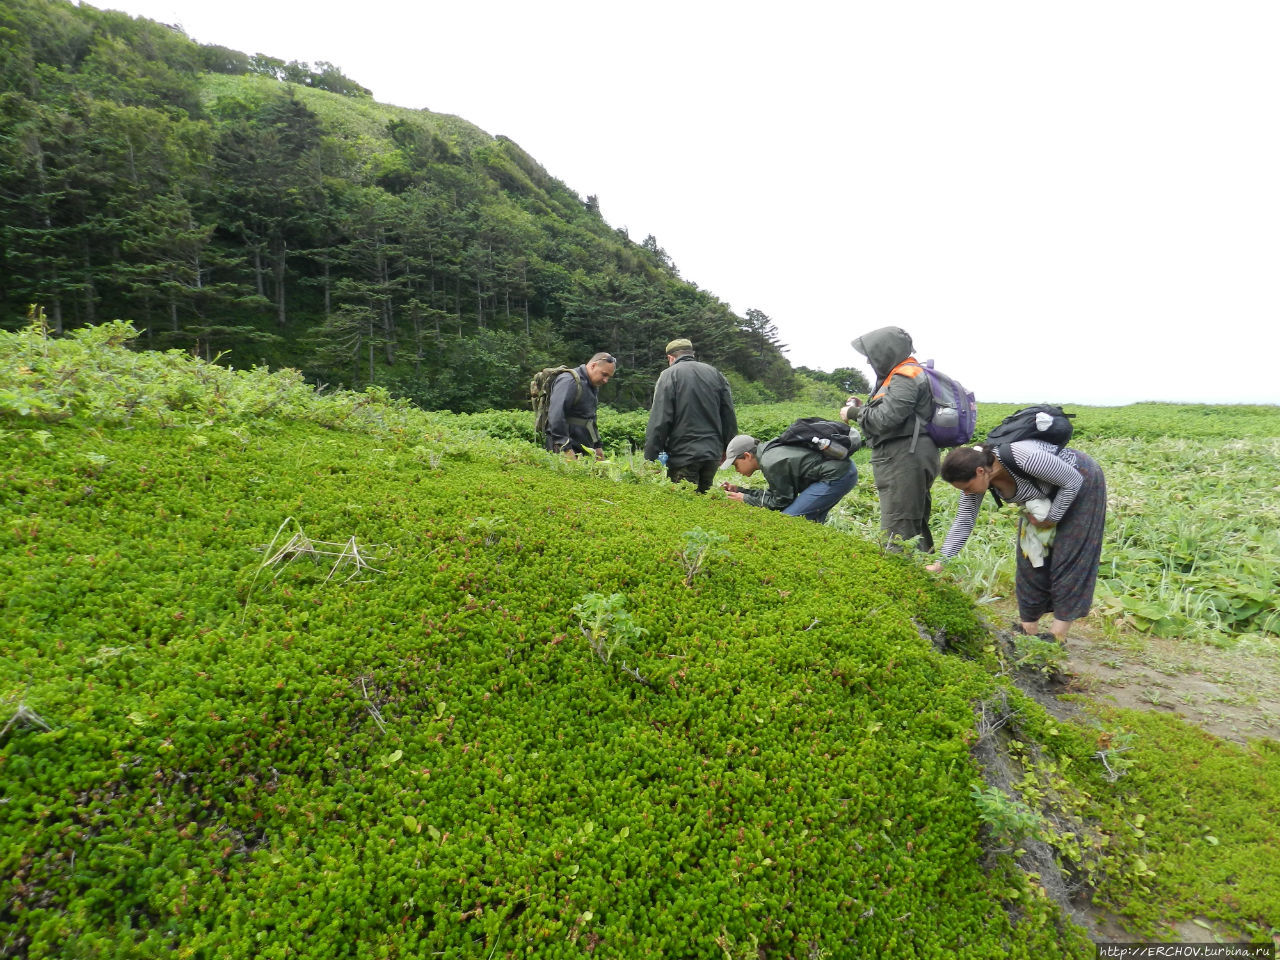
<point x="540" y="394"/>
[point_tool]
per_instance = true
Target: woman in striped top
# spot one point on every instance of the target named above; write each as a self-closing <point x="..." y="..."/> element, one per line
<point x="1022" y="471"/>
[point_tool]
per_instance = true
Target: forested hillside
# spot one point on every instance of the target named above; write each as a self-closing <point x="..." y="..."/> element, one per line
<point x="273" y="212"/>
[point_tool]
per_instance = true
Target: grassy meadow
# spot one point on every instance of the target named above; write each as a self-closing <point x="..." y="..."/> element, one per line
<point x="298" y="676"/>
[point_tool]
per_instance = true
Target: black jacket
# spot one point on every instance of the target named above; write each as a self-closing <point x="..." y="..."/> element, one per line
<point x="692" y="416"/>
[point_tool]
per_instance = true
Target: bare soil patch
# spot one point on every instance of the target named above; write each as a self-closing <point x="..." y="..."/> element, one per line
<point x="1232" y="694"/>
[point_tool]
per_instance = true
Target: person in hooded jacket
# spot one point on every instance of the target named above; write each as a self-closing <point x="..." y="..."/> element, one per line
<point x="691" y="418"/>
<point x="904" y="460"/>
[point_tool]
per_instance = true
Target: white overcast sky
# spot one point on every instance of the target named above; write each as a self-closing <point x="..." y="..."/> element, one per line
<point x="1066" y="202"/>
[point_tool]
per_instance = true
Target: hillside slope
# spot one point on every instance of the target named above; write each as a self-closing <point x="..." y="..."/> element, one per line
<point x="430" y="756"/>
<point x="290" y="675"/>
<point x="434" y="757"/>
<point x="274" y="214"/>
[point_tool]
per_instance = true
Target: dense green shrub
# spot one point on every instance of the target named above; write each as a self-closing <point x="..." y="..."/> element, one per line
<point x="429" y="757"/>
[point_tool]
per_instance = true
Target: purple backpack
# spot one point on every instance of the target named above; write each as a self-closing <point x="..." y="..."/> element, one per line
<point x="955" y="412"/>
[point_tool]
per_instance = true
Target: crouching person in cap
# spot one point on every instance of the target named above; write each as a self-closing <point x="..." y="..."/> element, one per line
<point x="802" y="482"/>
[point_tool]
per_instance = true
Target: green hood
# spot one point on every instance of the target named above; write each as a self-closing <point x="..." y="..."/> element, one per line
<point x="884" y="349"/>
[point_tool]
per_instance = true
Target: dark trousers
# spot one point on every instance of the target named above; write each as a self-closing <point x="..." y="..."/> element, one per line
<point x="903" y="479"/>
<point x="699" y="472"/>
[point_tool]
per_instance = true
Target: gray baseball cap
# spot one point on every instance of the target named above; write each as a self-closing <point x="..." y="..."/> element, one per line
<point x="742" y="443"/>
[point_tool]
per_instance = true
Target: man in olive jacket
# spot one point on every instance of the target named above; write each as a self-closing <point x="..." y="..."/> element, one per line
<point x="904" y="459"/>
<point x="691" y="418"/>
<point x="802" y="482"/>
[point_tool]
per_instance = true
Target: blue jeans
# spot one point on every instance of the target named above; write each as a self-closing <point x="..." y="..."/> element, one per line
<point x="817" y="499"/>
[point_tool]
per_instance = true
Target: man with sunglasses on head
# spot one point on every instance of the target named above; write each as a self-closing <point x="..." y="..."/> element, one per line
<point x="571" y="415"/>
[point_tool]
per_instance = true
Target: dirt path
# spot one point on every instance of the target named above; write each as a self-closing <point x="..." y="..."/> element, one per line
<point x="1232" y="694"/>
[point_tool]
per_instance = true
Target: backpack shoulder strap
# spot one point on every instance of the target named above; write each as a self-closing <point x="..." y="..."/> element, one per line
<point x="1005" y="456"/>
<point x="577" y="380"/>
<point x="908" y="367"/>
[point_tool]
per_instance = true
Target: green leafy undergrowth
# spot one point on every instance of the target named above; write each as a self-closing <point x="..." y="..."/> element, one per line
<point x="1153" y="422"/>
<point x="1192" y="545"/>
<point x="431" y="759"/>
<point x="90" y="377"/>
<point x="1203" y="816"/>
<point x="623" y="431"/>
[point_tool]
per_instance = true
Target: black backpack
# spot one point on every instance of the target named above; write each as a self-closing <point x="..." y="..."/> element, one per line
<point x="1044" y="421"/>
<point x="833" y="439"/>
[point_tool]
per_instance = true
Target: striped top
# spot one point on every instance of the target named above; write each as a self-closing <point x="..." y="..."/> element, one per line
<point x="1037" y="459"/>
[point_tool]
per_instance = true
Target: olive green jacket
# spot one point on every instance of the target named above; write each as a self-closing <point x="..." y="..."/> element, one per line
<point x="789" y="469"/>
<point x="692" y="415"/>
<point x="892" y="412"/>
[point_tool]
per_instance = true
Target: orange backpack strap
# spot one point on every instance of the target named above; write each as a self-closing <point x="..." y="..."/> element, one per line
<point x="908" y="368"/>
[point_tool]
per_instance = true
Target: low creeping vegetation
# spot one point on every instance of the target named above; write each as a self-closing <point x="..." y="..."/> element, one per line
<point x="430" y="761"/>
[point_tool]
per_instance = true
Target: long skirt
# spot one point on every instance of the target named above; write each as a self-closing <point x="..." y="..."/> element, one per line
<point x="1064" y="585"/>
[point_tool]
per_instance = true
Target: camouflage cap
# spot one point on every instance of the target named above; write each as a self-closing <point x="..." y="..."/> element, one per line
<point x="681" y="344"/>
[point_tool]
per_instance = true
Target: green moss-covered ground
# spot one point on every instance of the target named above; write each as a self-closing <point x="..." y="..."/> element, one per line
<point x="433" y="759"/>
<point x="208" y="755"/>
<point x="1205" y="814"/>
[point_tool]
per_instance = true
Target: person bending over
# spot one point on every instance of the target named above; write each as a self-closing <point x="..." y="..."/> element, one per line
<point x="1060" y="491"/>
<point x="802" y="482"/>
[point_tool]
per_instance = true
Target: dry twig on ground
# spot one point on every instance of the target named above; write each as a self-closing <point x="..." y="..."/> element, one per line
<point x="299" y="544"/>
<point x="24" y="716"/>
